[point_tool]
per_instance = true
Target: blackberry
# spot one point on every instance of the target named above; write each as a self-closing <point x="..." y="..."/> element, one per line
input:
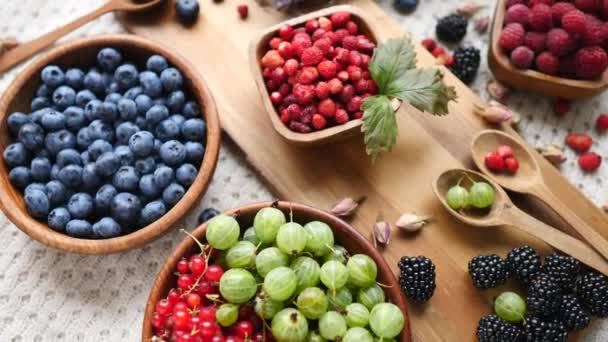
<point x="488" y="271"/>
<point x="451" y="28"/>
<point x="563" y="270"/>
<point x="539" y="330"/>
<point x="493" y="329"/>
<point x="544" y="295"/>
<point x="524" y="263"/>
<point x="592" y="289"/>
<point x="466" y="63"/>
<point x="572" y="313"/>
<point x="417" y="278"/>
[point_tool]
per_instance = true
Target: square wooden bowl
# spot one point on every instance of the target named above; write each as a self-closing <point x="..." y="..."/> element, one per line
<point x="532" y="80"/>
<point x="258" y="48"/>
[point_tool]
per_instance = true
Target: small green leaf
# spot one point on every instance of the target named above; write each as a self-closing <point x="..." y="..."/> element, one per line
<point x="391" y="60"/>
<point x="379" y="125"/>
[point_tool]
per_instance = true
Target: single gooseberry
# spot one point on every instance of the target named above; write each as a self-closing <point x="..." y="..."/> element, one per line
<point x="337" y="253"/>
<point x="362" y="270"/>
<point x="357" y="315"/>
<point x="241" y="255"/>
<point x="238" y="286"/>
<point x="307" y="271"/>
<point x="458" y="197"/>
<point x="332" y="325"/>
<point x="289" y="325"/>
<point x="386" y="320"/>
<point x="269" y="259"/>
<point x="291" y="238"/>
<point x="280" y="283"/>
<point x="370" y="296"/>
<point x="481" y="195"/>
<point x="510" y="306"/>
<point x="358" y="334"/>
<point x="249" y="235"/>
<point x="266" y="307"/>
<point x="340" y="298"/>
<point x="227" y="314"/>
<point x="223" y="232"/>
<point x="312" y="303"/>
<point x="320" y="238"/>
<point x="267" y="222"/>
<point x="333" y="274"/>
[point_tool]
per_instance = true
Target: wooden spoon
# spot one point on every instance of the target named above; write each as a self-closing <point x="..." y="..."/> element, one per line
<point x="529" y="180"/>
<point x="24" y="51"/>
<point x="504" y="212"/>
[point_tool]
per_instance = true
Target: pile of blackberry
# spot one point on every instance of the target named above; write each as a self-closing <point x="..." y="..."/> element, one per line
<point x="466" y="63"/>
<point x="417" y="278"/>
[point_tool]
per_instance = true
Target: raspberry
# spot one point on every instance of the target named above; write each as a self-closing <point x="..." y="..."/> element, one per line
<point x="601" y="124"/>
<point x="590" y="62"/>
<point x="349" y="43"/>
<point x="535" y="41"/>
<point x="494" y="162"/>
<point x="291" y="67"/>
<point x="505" y="151"/>
<point x="559" y="9"/>
<point x="515" y="2"/>
<point x="304" y="93"/>
<point x="322" y="90"/>
<point x="312" y="25"/>
<point x="559" y="42"/>
<point x="511" y="37"/>
<point x="340" y="19"/>
<point x="294" y="111"/>
<point x="311" y="56"/>
<point x="325" y="24"/>
<point x="286" y="32"/>
<point x="327" y="108"/>
<point x="518" y="14"/>
<point x="579" y="142"/>
<point x="318" y="121"/>
<point x="335" y="86"/>
<point x="594" y="34"/>
<point x="272" y="59"/>
<point x="547" y="63"/>
<point x="541" y="18"/>
<point x="574" y="22"/>
<point x="589" y="161"/>
<point x="589" y="6"/>
<point x="341" y="116"/>
<point x="522" y="57"/>
<point x="511" y="165"/>
<point x="323" y="44"/>
<point x="546" y="2"/>
<point x="327" y="69"/>
<point x="352" y="27"/>
<point x="429" y="44"/>
<point x="243" y="11"/>
<point x="307" y="75"/>
<point x="561" y="106"/>
<point x="286" y="50"/>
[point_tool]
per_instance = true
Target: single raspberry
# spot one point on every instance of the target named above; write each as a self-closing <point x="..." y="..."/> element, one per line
<point x="511" y="165"/>
<point x="243" y="11"/>
<point x="541" y="18"/>
<point x="546" y="62"/>
<point x="559" y="9"/>
<point x="589" y="6"/>
<point x="594" y="34"/>
<point x="429" y="44"/>
<point x="327" y="108"/>
<point x="518" y="14"/>
<point x="574" y="22"/>
<point x="339" y="19"/>
<point x="601" y="124"/>
<point x="561" y="106"/>
<point x="589" y="161"/>
<point x="272" y="59"/>
<point x="522" y="57"/>
<point x="352" y="27"/>
<point x="350" y="42"/>
<point x="559" y="42"/>
<point x="341" y="116"/>
<point x="511" y="37"/>
<point x="335" y="86"/>
<point x="535" y="41"/>
<point x="323" y="44"/>
<point x="304" y="93"/>
<point x="286" y="32"/>
<point x="312" y="25"/>
<point x="318" y="121"/>
<point x="546" y="2"/>
<point x="326" y="24"/>
<point x="579" y="142"/>
<point x="327" y="69"/>
<point x="494" y="162"/>
<point x="590" y="62"/>
<point x="291" y="67"/>
<point x="294" y="111"/>
<point x="505" y="151"/>
<point x="286" y="50"/>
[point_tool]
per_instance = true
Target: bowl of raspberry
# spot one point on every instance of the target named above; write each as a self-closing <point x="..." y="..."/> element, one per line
<point x="555" y="48"/>
<point x="106" y="143"/>
<point x="312" y="74"/>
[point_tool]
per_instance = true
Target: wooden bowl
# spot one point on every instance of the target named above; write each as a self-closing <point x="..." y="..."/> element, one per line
<point x="344" y="234"/>
<point x="532" y="80"/>
<point x="17" y="98"/>
<point x="258" y="48"/>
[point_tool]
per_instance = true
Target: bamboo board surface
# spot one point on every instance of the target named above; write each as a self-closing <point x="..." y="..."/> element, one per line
<point x="398" y="182"/>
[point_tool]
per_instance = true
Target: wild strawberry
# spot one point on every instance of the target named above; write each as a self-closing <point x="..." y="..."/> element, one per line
<point x="323" y="44"/>
<point x="579" y="142"/>
<point x="589" y="161"/>
<point x="325" y="24"/>
<point x="340" y="35"/>
<point x="561" y="106"/>
<point x="372" y="87"/>
<point x="352" y="27"/>
<point x="266" y="72"/>
<point x="272" y="59"/>
<point x="354" y="105"/>
<point x="322" y="90"/>
<point x="357" y="115"/>
<point x="332" y="36"/>
<point x="350" y="42"/>
<point x="341" y="116"/>
<point x="365" y="45"/>
<point x="243" y="11"/>
<point x="272" y="85"/>
<point x="307" y="113"/>
<point x="342" y="56"/>
<point x="354" y="72"/>
<point x="311" y="56"/>
<point x="365" y="59"/>
<point x="362" y="86"/>
<point x="276" y="97"/>
<point x="348" y="91"/>
<point x="312" y="25"/>
<point x="286" y="32"/>
<point x="304" y="93"/>
<point x="318" y="34"/>
<point x="300" y="42"/>
<point x="343" y="76"/>
<point x="289" y="99"/>
<point x="285" y="117"/>
<point x="494" y="161"/>
<point x="601" y="124"/>
<point x="327" y="108"/>
<point x="340" y="19"/>
<point x="285" y="89"/>
<point x="429" y="44"/>
<point x="327" y="69"/>
<point x="335" y="86"/>
<point x="286" y="50"/>
<point x="291" y="67"/>
<point x="294" y="111"/>
<point x="318" y="121"/>
<point x="278" y="75"/>
<point x="307" y="75"/>
<point x="355" y="58"/>
<point x="438" y="51"/>
<point x="505" y="151"/>
<point x="299" y="127"/>
<point x="511" y="165"/>
<point x="275" y="42"/>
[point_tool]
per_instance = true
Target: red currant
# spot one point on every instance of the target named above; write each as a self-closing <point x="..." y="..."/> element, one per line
<point x="218" y="338"/>
<point x="185" y="281"/>
<point x="181" y="306"/>
<point x="158" y="321"/>
<point x="197" y="264"/>
<point x="163" y="307"/>
<point x="182" y="265"/>
<point x="207" y="329"/>
<point x="193" y="300"/>
<point x="214" y="273"/>
<point x="181" y="319"/>
<point x="244" y="329"/>
<point x="207" y="313"/>
<point x="205" y="288"/>
<point x="173" y="296"/>
<point x="186" y="338"/>
<point x="234" y="339"/>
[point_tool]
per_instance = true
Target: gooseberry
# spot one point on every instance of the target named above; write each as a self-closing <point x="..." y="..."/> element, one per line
<point x="510" y="306"/>
<point x="386" y="320"/>
<point x="249" y="235"/>
<point x="357" y="315"/>
<point x="320" y="238"/>
<point x="241" y="255"/>
<point x="312" y="303"/>
<point x="332" y="325"/>
<point x="307" y="271"/>
<point x="458" y="197"/>
<point x="370" y="296"/>
<point x="333" y="274"/>
<point x="269" y="259"/>
<point x="314" y="336"/>
<point x="358" y="334"/>
<point x="267" y="222"/>
<point x="280" y="283"/>
<point x="291" y="238"/>
<point x="238" y="286"/>
<point x="481" y="195"/>
<point x="362" y="270"/>
<point x="337" y="253"/>
<point x="223" y="232"/>
<point x="340" y="298"/>
<point x="266" y="307"/>
<point x="227" y="314"/>
<point x="289" y="325"/>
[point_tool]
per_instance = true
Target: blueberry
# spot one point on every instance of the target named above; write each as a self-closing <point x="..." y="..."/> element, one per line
<point x="108" y="58"/>
<point x="81" y="205"/>
<point x="107" y="164"/>
<point x="167" y="130"/>
<point x="153" y="211"/>
<point x="113" y="88"/>
<point x="37" y="115"/>
<point x="52" y="76"/>
<point x="156" y="114"/>
<point x="83" y="97"/>
<point x="172" y="79"/>
<point x="145" y="166"/>
<point x="178" y="119"/>
<point x="157" y="63"/>
<point x="126" y="76"/>
<point x="148" y="187"/>
<point x="141" y="122"/>
<point x="35" y="186"/>
<point x="90" y="177"/>
<point x="85" y="157"/>
<point x="194" y="152"/>
<point x="173" y="152"/>
<point x="20" y="176"/>
<point x="143" y="102"/>
<point x="142" y="143"/>
<point x="192" y="110"/>
<point x="101" y="130"/>
<point x="31" y="135"/>
<point x="113" y="97"/>
<point x="94" y="81"/>
<point x="74" y="78"/>
<point x="157" y="145"/>
<point x="127" y="109"/>
<point x="16" y="120"/>
<point x="187" y="10"/>
<point x="64" y="96"/>
<point x="186" y="174"/>
<point x="150" y="83"/>
<point x="55" y="172"/>
<point x="69" y="156"/>
<point x="163" y="176"/>
<point x="79" y="229"/>
<point x="58" y="218"/>
<point x="83" y="138"/>
<point x="39" y="103"/>
<point x="104" y="196"/>
<point x="53" y="121"/>
<point x="107" y="228"/>
<point x="124" y="131"/>
<point x="126" y="179"/>
<point x="98" y="147"/>
<point x="16" y="154"/>
<point x="93" y="109"/>
<point x="56" y="192"/>
<point x="207" y="214"/>
<point x="74" y="118"/>
<point x="41" y="169"/>
<point x="37" y="203"/>
<point x="172" y="194"/>
<point x="125" y="155"/>
<point x="60" y="140"/>
<point x="176" y="100"/>
<point x="109" y="112"/>
<point x="71" y="176"/>
<point x="132" y="93"/>
<point x="125" y="207"/>
<point x="194" y="130"/>
<point x="44" y="91"/>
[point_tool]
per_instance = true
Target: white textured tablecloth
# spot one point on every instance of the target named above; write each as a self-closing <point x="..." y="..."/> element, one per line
<point x="46" y="295"/>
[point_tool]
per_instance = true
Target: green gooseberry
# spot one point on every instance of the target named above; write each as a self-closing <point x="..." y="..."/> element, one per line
<point x="289" y="325"/>
<point x="333" y="274"/>
<point x="362" y="270"/>
<point x="340" y="298"/>
<point x="358" y="334"/>
<point x="227" y="314"/>
<point x="320" y="238"/>
<point x="269" y="259"/>
<point x="249" y="235"/>
<point x="312" y="303"/>
<point x="241" y="255"/>
<point x="482" y="195"/>
<point x="307" y="270"/>
<point x="357" y="315"/>
<point x="266" y="307"/>
<point x="291" y="238"/>
<point x="280" y="283"/>
<point x="370" y="296"/>
<point x="386" y="320"/>
<point x="238" y="286"/>
<point x="332" y="325"/>
<point x="223" y="232"/>
<point x="511" y="307"/>
<point x="337" y="253"/>
<point x="457" y="197"/>
<point x="267" y="222"/>
<point x="314" y="336"/>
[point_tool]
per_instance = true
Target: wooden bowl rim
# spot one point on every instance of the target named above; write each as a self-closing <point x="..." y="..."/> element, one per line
<point x="45" y="235"/>
<point x="503" y="59"/>
<point x="394" y="293"/>
<point x="295" y="137"/>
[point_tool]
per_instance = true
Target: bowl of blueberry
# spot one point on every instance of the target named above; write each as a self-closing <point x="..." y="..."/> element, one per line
<point x="106" y="143"/>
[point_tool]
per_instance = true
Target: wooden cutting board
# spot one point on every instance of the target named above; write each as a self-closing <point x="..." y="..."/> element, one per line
<point x="398" y="182"/>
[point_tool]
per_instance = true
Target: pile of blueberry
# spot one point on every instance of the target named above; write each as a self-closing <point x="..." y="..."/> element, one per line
<point x="108" y="150"/>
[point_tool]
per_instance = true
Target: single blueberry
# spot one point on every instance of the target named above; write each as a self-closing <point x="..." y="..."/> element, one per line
<point x="192" y="110"/>
<point x="60" y="140"/>
<point x="405" y="6"/>
<point x="93" y="109"/>
<point x="157" y="63"/>
<point x="172" y="79"/>
<point x="157" y="145"/>
<point x="127" y="109"/>
<point x="81" y="205"/>
<point x="186" y="174"/>
<point x="141" y="122"/>
<point x="53" y="121"/>
<point x="107" y="228"/>
<point x="16" y="120"/>
<point x="125" y="155"/>
<point x="194" y="130"/>
<point x="124" y="131"/>
<point x="36" y="116"/>
<point x="172" y="194"/>
<point x="113" y="88"/>
<point x="167" y="130"/>
<point x="69" y="156"/>
<point x="16" y="154"/>
<point x="20" y="176"/>
<point x="64" y="96"/>
<point x="156" y="114"/>
<point x="125" y="207"/>
<point x="153" y="211"/>
<point x="163" y="176"/>
<point x="79" y="229"/>
<point x="175" y="101"/>
<point x="58" y="218"/>
<point x="41" y="169"/>
<point x="90" y="179"/>
<point x="74" y="78"/>
<point x="52" y="76"/>
<point x="104" y="196"/>
<point x="113" y="97"/>
<point x="108" y="58"/>
<point x="37" y="204"/>
<point x="151" y="84"/>
<point x="44" y="91"/>
<point x="109" y="112"/>
<point x="74" y="118"/>
<point x="83" y="138"/>
<point x="56" y="192"/>
<point x="85" y="157"/>
<point x="143" y="102"/>
<point x="55" y="172"/>
<point x="207" y="214"/>
<point x="145" y="165"/>
<point x="126" y="179"/>
<point x="101" y="130"/>
<point x="98" y="147"/>
<point x="173" y="153"/>
<point x="187" y="10"/>
<point x="71" y="176"/>
<point x="148" y="187"/>
<point x="132" y="93"/>
<point x="40" y="103"/>
<point x="142" y="143"/>
<point x="178" y="119"/>
<point x="94" y="81"/>
<point x="194" y="152"/>
<point x="126" y="76"/>
<point x="107" y="164"/>
<point x="35" y="186"/>
<point x="83" y="97"/>
<point x="31" y="135"/>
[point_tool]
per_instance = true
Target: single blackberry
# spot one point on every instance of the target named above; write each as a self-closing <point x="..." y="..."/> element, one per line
<point x="451" y="28"/>
<point x="592" y="289"/>
<point x="524" y="263"/>
<point x="488" y="271"/>
<point x="493" y="329"/>
<point x="563" y="270"/>
<point x="466" y="63"/>
<point x="572" y="313"/>
<point x="539" y="330"/>
<point x="417" y="278"/>
<point x="544" y="295"/>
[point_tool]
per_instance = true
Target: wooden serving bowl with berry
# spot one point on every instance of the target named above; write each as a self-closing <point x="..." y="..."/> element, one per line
<point x="533" y="80"/>
<point x="82" y="53"/>
<point x="336" y="125"/>
<point x="343" y="233"/>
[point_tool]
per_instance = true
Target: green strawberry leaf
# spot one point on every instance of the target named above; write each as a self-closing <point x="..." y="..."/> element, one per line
<point x="423" y="89"/>
<point x="391" y="60"/>
<point x="379" y="125"/>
